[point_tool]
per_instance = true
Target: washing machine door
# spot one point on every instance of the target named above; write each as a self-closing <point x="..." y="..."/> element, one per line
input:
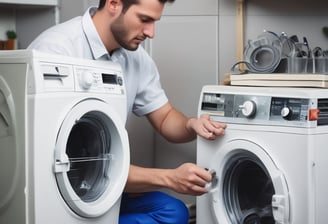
<point x="9" y="159"/>
<point x="250" y="188"/>
<point x="91" y="158"/>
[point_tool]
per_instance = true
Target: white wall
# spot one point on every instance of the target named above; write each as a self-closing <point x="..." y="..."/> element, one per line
<point x="70" y="8"/>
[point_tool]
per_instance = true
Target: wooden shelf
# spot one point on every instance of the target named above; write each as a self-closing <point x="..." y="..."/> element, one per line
<point x="280" y="79"/>
<point x="31" y="2"/>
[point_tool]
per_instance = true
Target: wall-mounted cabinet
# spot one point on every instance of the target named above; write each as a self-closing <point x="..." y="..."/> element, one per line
<point x="28" y="18"/>
<point x="30" y="2"/>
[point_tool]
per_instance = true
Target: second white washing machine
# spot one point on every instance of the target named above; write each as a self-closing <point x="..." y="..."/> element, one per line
<point x="270" y="166"/>
<point x="64" y="150"/>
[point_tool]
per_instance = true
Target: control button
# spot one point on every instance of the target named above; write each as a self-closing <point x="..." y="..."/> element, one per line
<point x="86" y="79"/>
<point x="248" y="109"/>
<point x="286" y="112"/>
<point x="120" y="80"/>
<point x="314" y="114"/>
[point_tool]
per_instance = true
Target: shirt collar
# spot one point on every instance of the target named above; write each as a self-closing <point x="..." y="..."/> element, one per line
<point x="97" y="47"/>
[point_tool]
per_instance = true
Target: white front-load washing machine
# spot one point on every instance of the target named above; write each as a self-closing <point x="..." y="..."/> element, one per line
<point x="270" y="166"/>
<point x="64" y="151"/>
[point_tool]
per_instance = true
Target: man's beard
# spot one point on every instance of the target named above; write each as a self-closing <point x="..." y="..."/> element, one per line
<point x="120" y="33"/>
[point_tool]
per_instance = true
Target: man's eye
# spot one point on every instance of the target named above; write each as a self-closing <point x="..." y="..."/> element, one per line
<point x="145" y="20"/>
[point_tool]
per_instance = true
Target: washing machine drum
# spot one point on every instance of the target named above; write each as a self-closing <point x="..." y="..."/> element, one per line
<point x="251" y="189"/>
<point x="248" y="190"/>
<point x="91" y="158"/>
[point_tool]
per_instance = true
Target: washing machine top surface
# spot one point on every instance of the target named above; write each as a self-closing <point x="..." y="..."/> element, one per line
<point x="290" y="107"/>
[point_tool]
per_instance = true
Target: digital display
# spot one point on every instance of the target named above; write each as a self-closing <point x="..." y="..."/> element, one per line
<point x="109" y="78"/>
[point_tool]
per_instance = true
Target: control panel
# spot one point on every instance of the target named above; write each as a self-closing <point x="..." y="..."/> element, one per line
<point x="98" y="80"/>
<point x="69" y="77"/>
<point x="260" y="109"/>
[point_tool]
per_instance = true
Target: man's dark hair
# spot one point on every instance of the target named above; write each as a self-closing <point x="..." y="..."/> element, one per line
<point x="128" y="3"/>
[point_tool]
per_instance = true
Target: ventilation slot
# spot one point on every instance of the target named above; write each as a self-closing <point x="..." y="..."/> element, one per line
<point x="323" y="115"/>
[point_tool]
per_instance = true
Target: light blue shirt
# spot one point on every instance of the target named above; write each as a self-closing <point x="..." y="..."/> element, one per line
<point x="78" y="38"/>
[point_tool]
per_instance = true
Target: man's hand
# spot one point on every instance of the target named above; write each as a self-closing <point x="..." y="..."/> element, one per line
<point x="205" y="127"/>
<point x="189" y="179"/>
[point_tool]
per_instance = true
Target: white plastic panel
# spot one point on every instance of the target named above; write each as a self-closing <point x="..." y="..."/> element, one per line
<point x="57" y="77"/>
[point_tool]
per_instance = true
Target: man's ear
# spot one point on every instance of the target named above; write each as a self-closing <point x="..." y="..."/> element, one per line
<point x="114" y="5"/>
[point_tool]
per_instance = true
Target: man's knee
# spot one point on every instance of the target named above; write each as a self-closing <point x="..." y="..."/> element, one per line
<point x="153" y="207"/>
<point x="179" y="212"/>
<point x="174" y="212"/>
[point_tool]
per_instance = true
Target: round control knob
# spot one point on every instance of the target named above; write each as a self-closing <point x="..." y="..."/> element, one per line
<point x="248" y="109"/>
<point x="86" y="79"/>
<point x="286" y="113"/>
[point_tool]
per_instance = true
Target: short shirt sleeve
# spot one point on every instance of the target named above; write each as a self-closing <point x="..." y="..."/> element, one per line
<point x="145" y="93"/>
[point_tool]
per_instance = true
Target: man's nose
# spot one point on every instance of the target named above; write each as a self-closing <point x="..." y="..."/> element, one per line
<point x="149" y="30"/>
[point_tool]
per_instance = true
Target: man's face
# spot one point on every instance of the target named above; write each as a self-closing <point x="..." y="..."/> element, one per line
<point x="132" y="27"/>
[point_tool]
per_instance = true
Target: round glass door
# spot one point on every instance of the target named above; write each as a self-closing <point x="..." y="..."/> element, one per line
<point x="10" y="154"/>
<point x="88" y="150"/>
<point x="91" y="158"/>
<point x="251" y="189"/>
